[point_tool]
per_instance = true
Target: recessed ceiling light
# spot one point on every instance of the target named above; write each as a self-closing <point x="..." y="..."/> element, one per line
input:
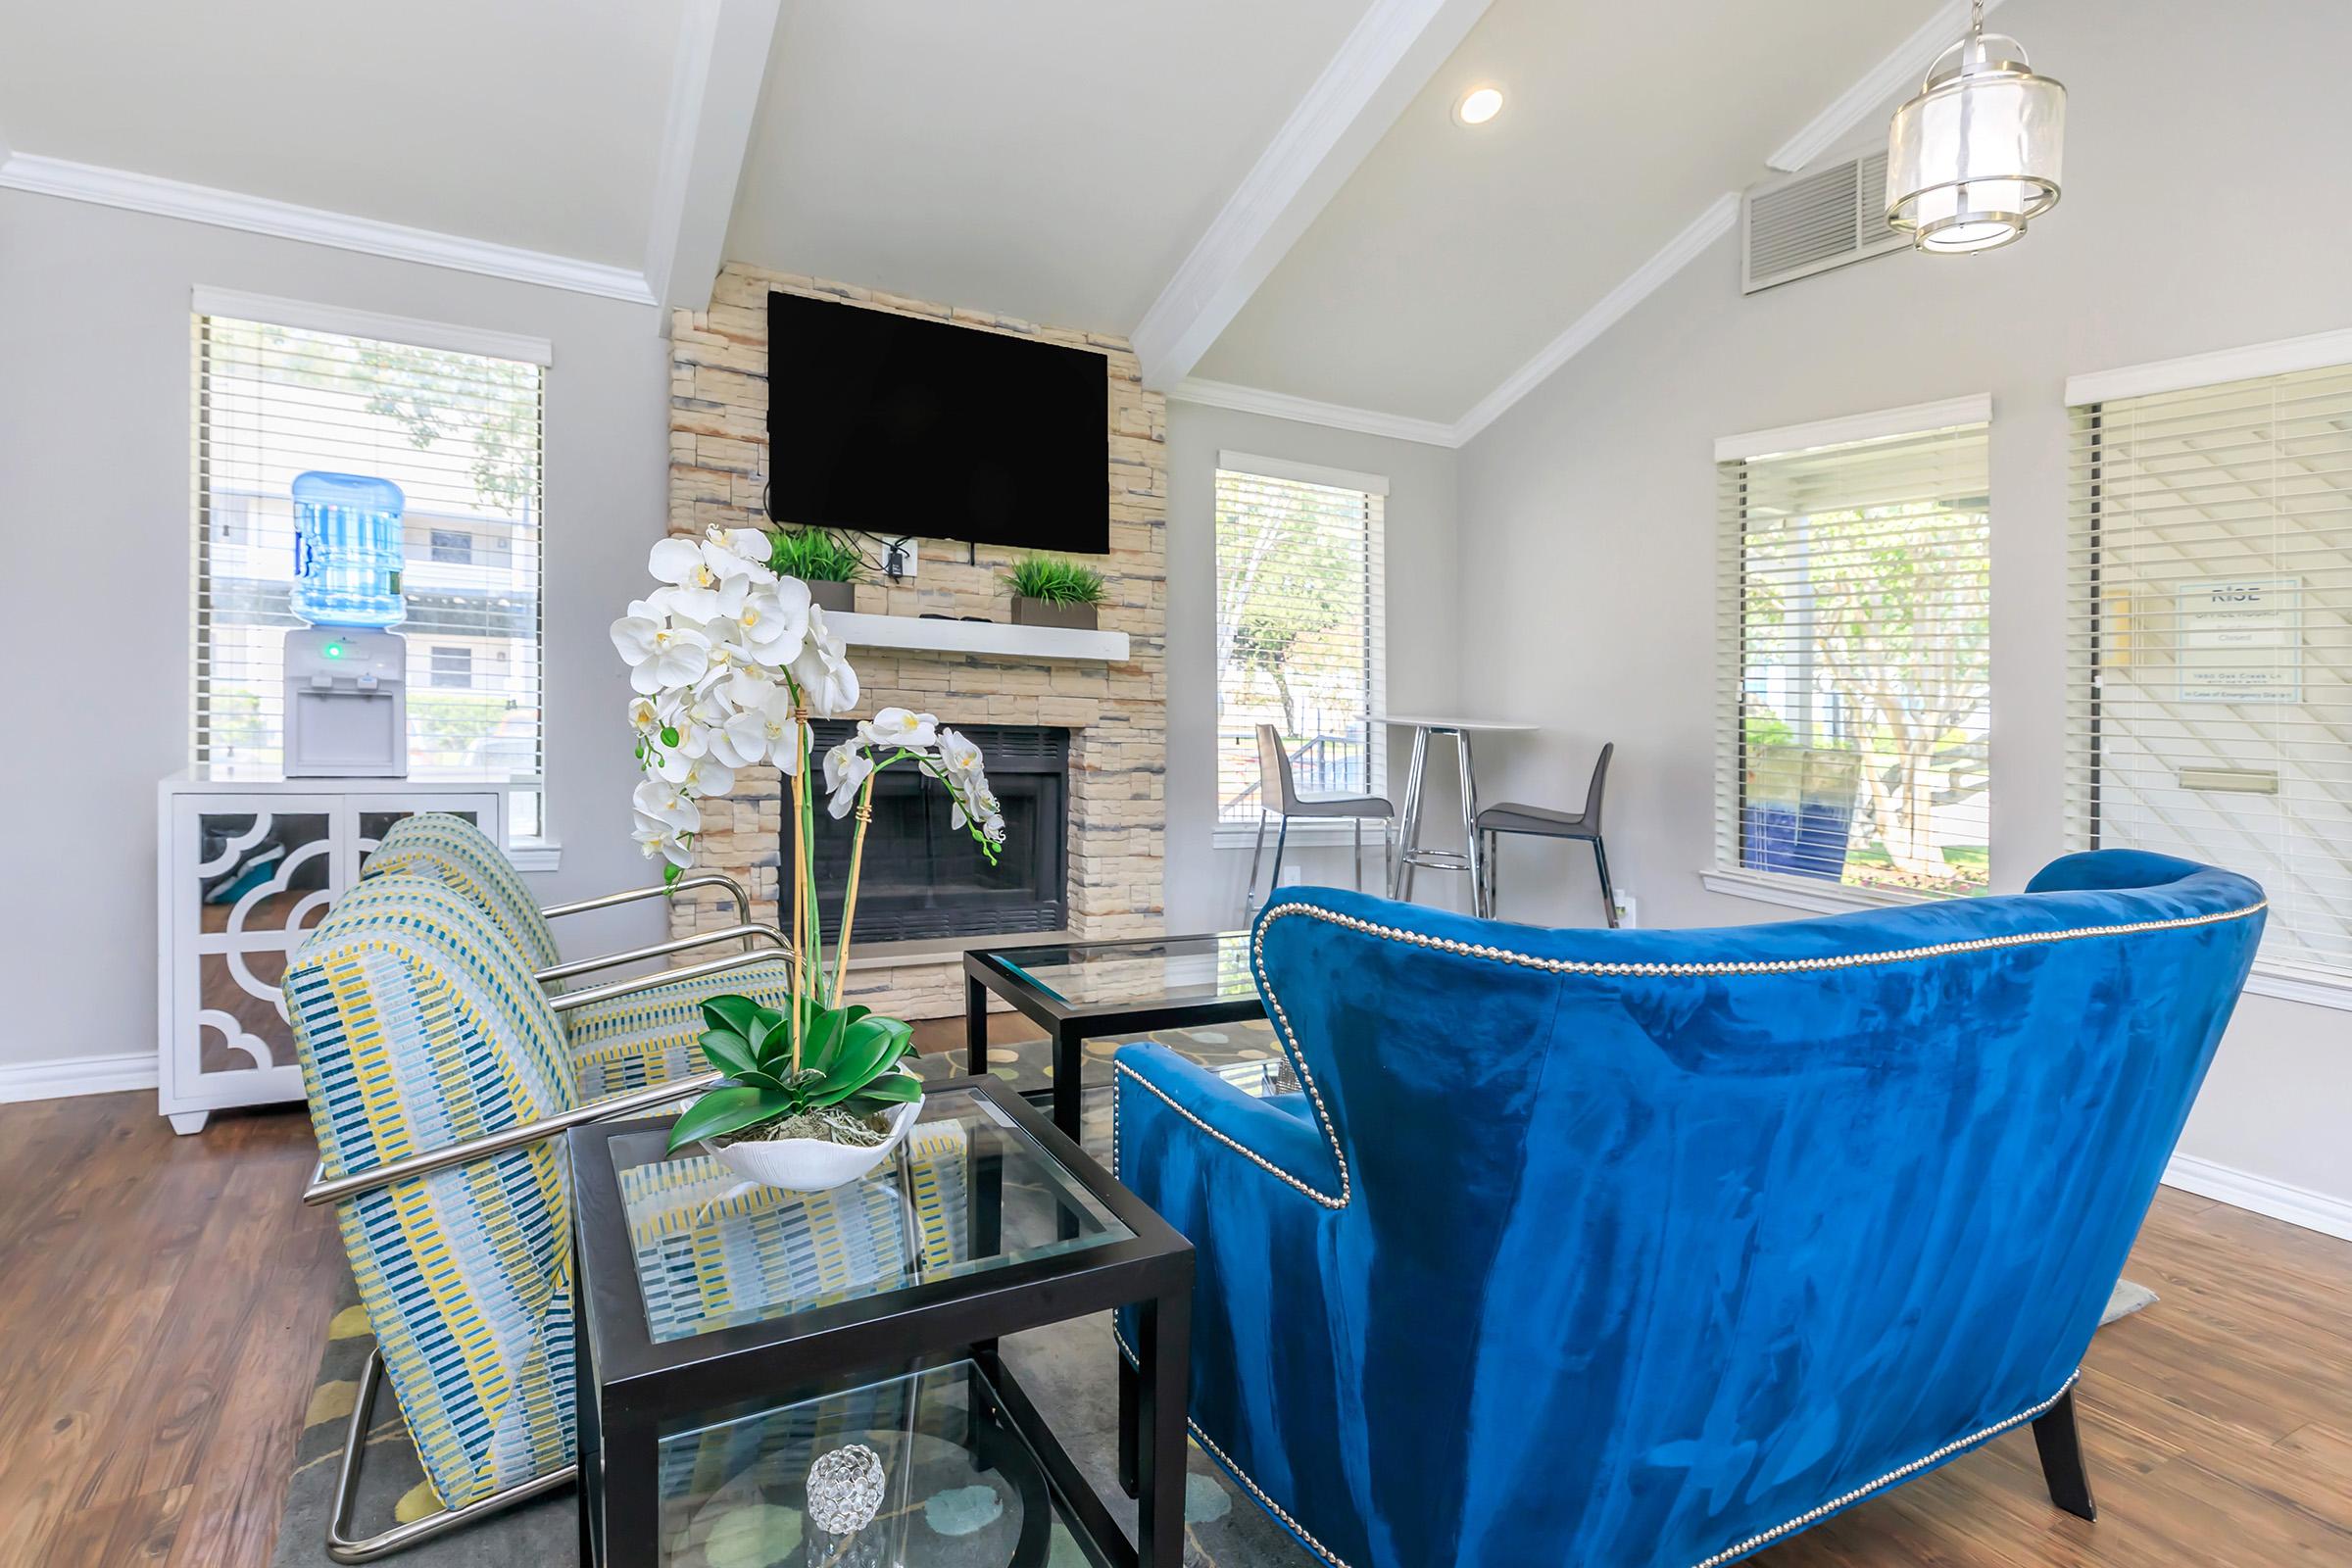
<point x="1478" y="106"/>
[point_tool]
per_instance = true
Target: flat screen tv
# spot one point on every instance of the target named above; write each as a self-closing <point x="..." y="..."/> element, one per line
<point x="895" y="425"/>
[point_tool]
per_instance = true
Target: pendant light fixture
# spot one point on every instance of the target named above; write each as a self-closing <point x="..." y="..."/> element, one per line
<point x="1974" y="157"/>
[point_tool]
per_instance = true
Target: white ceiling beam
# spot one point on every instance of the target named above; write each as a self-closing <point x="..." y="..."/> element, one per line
<point x="1386" y="60"/>
<point x="1898" y="73"/>
<point x="1307" y="410"/>
<point x="714" y="97"/>
<point x="1703" y="231"/>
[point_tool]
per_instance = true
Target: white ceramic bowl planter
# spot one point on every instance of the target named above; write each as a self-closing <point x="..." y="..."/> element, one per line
<point x="813" y="1164"/>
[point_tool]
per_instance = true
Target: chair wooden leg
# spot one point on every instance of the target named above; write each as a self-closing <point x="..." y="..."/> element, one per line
<point x="2060" y="1441"/>
<point x="1608" y="889"/>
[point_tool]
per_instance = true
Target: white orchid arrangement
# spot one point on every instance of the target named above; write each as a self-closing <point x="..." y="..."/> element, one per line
<point x="729" y="663"/>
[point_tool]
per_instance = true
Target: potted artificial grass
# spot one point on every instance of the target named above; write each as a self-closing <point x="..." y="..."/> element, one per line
<point x="1049" y="591"/>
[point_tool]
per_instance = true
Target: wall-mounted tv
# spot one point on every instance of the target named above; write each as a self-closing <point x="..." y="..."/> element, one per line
<point x="897" y="426"/>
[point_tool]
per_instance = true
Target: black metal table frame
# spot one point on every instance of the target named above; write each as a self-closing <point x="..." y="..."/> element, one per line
<point x="629" y="1386"/>
<point x="1070" y="1024"/>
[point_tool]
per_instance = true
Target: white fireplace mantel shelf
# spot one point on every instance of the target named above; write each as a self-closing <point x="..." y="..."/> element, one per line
<point x="997" y="638"/>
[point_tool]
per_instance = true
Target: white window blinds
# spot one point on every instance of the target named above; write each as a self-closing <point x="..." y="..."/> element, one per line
<point x="1854" y="603"/>
<point x="2209" y="713"/>
<point x="1300" y="616"/>
<point x="461" y="434"/>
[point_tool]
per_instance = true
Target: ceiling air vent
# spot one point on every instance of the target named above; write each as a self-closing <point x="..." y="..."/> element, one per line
<point x="1809" y="223"/>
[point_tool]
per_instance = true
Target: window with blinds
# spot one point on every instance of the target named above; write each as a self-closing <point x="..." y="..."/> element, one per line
<point x="2210" y="715"/>
<point x="461" y="434"/>
<point x="1855" y="626"/>
<point x="1299" y="626"/>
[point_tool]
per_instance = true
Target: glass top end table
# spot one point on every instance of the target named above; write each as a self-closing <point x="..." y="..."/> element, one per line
<point x="1075" y="991"/>
<point x="730" y="1334"/>
<point x="713" y="1251"/>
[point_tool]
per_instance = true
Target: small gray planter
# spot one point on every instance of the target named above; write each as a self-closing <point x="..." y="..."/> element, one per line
<point x="1027" y="612"/>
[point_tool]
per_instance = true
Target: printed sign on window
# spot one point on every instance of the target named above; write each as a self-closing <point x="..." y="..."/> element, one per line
<point x="2241" y="641"/>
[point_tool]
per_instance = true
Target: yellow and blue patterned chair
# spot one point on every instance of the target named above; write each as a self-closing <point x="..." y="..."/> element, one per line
<point x="439" y="1071"/>
<point x="620" y="1042"/>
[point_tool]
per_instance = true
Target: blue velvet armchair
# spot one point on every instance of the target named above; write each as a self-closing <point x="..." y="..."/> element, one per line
<point x="1653" y="1247"/>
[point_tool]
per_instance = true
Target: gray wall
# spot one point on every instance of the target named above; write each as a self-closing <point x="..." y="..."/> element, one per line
<point x="1204" y="882"/>
<point x="2202" y="209"/>
<point x="94" y="552"/>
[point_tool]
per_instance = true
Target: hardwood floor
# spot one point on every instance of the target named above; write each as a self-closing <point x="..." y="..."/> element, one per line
<point x="162" y="1303"/>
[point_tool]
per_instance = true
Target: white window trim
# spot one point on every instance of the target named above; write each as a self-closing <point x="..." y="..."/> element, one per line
<point x="1307" y="832"/>
<point x="1884" y="424"/>
<point x="309" y="316"/>
<point x="1265" y="467"/>
<point x="1819" y="897"/>
<point x="536" y="855"/>
<point x="2319" y="351"/>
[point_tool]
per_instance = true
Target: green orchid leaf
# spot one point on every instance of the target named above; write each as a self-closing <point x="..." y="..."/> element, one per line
<point x="738" y="1016"/>
<point x="728" y="1051"/>
<point x="824" y="1040"/>
<point x="891" y="1089"/>
<point x="729" y="1109"/>
<point x="773" y="1042"/>
<point x="866" y="1047"/>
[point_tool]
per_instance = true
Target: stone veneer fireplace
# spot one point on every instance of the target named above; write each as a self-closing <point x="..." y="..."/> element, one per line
<point x="1112" y="716"/>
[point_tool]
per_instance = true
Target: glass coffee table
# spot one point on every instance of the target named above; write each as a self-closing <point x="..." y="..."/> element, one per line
<point x="732" y="1335"/>
<point x="1076" y="990"/>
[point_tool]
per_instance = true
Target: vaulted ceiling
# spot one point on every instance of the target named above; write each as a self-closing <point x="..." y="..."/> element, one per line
<point x="1268" y="196"/>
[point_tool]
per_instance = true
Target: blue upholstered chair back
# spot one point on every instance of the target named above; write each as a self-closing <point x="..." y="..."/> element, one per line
<point x="1646" y="1246"/>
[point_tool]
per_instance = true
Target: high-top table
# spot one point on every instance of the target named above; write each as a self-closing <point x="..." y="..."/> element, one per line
<point x="1409" y="853"/>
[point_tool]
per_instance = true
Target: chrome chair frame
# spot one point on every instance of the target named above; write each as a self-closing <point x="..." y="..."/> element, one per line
<point x="609" y="901"/>
<point x="341" y="1546"/>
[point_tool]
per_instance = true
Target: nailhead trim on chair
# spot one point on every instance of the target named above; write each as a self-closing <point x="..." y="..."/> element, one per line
<point x="1849" y="961"/>
<point x="1239" y="1148"/>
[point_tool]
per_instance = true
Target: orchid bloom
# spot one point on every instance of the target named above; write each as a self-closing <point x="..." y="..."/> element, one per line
<point x="847" y="768"/>
<point x="959" y="755"/>
<point x="761" y="728"/>
<point x="702" y="775"/>
<point x="658" y="840"/>
<point x="748" y="545"/>
<point x="657" y="799"/>
<point x="645" y="716"/>
<point x="659" y="655"/>
<point x="772" y="623"/>
<point x="822" y="671"/>
<point x="704" y="581"/>
<point x="901" y="726"/>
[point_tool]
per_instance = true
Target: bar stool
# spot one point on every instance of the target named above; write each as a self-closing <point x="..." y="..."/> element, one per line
<point x="1276" y="783"/>
<point x="1544" y="822"/>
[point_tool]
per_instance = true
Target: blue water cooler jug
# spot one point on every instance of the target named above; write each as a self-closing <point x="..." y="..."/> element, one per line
<point x="347" y="550"/>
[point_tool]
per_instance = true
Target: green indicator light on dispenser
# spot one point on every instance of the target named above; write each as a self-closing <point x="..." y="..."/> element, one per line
<point x="334" y="649"/>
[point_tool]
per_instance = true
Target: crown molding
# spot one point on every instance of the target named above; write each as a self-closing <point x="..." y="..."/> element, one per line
<point x="311" y="226"/>
<point x="1306" y="411"/>
<point x="1898" y="72"/>
<point x="1384" y="62"/>
<point x="714" y="89"/>
<point x="1703" y="231"/>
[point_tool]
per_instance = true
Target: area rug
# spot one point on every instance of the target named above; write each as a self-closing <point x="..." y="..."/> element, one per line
<point x="1069" y="1369"/>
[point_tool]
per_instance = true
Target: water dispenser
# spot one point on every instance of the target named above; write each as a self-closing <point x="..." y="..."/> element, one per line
<point x="346" y="677"/>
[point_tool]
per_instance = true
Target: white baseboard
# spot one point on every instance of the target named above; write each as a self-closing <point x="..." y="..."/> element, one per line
<point x="2297" y="1206"/>
<point x="76" y="1075"/>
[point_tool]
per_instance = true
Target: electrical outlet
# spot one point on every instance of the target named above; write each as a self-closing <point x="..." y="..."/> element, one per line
<point x="897" y="560"/>
<point x="1628" y="911"/>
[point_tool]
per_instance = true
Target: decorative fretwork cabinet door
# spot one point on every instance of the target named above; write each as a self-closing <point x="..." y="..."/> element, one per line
<point x="244" y="878"/>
